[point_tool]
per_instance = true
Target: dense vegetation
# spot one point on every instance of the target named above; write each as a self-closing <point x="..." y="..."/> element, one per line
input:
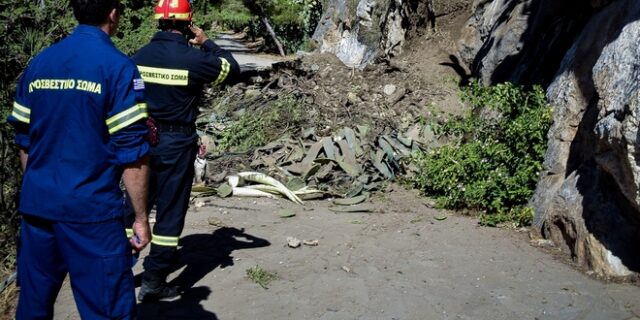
<point x="495" y="156"/>
<point x="28" y="26"/>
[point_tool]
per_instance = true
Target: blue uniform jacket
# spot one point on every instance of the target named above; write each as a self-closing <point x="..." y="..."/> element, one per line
<point x="175" y="74"/>
<point x="79" y="113"/>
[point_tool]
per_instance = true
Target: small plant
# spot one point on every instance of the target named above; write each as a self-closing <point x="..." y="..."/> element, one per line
<point x="261" y="276"/>
<point x="495" y="155"/>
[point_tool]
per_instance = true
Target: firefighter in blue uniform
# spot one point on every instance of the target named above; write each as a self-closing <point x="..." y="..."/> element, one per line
<point x="79" y="116"/>
<point x="175" y="74"/>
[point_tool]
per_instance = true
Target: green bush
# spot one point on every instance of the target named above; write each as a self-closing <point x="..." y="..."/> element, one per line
<point x="137" y="25"/>
<point x="494" y="159"/>
<point x="231" y="15"/>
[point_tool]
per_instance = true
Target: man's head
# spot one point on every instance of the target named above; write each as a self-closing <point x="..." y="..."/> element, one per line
<point x="100" y="13"/>
<point x="174" y="25"/>
<point x="174" y="15"/>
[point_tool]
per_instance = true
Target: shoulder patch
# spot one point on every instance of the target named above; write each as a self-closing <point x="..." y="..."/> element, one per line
<point x="138" y="84"/>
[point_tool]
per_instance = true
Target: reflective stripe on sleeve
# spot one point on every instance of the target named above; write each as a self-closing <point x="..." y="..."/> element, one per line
<point x="224" y="72"/>
<point x="129" y="233"/>
<point x="22" y="113"/>
<point x="164" y="240"/>
<point x="170" y="77"/>
<point x="127" y="117"/>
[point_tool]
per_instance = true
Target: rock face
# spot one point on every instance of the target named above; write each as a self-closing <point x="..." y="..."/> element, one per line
<point x="522" y="41"/>
<point x="588" y="198"/>
<point x="357" y="32"/>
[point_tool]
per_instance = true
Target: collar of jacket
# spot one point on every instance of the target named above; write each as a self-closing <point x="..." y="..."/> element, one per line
<point x="170" y="36"/>
<point x="93" y="31"/>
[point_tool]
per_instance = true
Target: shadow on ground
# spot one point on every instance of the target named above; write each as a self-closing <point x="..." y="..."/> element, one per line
<point x="200" y="254"/>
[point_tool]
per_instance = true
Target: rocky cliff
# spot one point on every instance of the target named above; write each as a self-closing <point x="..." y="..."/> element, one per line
<point x="588" y="198"/>
<point x="358" y="32"/>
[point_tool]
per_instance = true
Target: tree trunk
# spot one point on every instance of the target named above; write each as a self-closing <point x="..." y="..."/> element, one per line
<point x="265" y="20"/>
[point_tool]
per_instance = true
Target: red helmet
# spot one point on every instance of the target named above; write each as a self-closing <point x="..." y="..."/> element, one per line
<point x="173" y="10"/>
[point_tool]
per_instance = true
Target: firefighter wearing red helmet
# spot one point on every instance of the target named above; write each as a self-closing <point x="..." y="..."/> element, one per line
<point x="174" y="74"/>
<point x="173" y="9"/>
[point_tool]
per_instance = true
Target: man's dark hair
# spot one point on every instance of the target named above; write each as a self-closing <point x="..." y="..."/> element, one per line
<point x="178" y="25"/>
<point x="93" y="12"/>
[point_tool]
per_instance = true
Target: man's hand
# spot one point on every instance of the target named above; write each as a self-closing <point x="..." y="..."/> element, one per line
<point x="136" y="180"/>
<point x="141" y="235"/>
<point x="200" y="36"/>
<point x="24" y="157"/>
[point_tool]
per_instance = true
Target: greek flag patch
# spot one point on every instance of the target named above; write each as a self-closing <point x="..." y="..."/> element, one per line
<point x="138" y="84"/>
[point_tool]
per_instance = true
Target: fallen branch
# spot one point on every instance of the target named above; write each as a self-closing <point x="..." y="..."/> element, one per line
<point x="267" y="25"/>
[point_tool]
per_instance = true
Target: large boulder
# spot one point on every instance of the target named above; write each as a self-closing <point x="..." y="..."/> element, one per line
<point x="358" y="32"/>
<point x="588" y="197"/>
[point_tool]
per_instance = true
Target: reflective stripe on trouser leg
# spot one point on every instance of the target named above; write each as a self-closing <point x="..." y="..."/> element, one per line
<point x="173" y="175"/>
<point x="164" y="240"/>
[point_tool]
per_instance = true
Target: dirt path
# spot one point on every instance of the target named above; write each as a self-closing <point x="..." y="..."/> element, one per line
<point x="397" y="263"/>
<point x="247" y="59"/>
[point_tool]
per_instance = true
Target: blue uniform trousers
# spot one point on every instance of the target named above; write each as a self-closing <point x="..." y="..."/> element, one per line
<point x="97" y="257"/>
<point x="170" y="183"/>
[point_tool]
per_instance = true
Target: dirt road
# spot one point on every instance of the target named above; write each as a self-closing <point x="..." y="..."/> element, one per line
<point x="247" y="59"/>
<point x="399" y="262"/>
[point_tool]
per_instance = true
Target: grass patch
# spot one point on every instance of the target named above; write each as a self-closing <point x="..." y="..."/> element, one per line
<point x="493" y="161"/>
<point x="261" y="276"/>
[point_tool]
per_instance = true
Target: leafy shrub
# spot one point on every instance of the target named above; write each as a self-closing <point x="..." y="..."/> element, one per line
<point x="496" y="153"/>
<point x="137" y="25"/>
<point x="295" y="21"/>
<point x="229" y="15"/>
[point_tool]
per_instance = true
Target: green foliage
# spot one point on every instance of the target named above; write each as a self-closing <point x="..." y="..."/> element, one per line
<point x="496" y="155"/>
<point x="230" y="15"/>
<point x="293" y="21"/>
<point x="10" y="175"/>
<point x="137" y="25"/>
<point x="258" y="128"/>
<point x="519" y="216"/>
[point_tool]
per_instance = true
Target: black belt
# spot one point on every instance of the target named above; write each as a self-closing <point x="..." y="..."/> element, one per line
<point x="165" y="127"/>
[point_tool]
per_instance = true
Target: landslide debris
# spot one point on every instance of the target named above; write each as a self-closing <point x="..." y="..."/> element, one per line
<point x="313" y="122"/>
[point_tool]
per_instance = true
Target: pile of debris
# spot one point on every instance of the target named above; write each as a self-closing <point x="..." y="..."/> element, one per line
<point x="348" y="134"/>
